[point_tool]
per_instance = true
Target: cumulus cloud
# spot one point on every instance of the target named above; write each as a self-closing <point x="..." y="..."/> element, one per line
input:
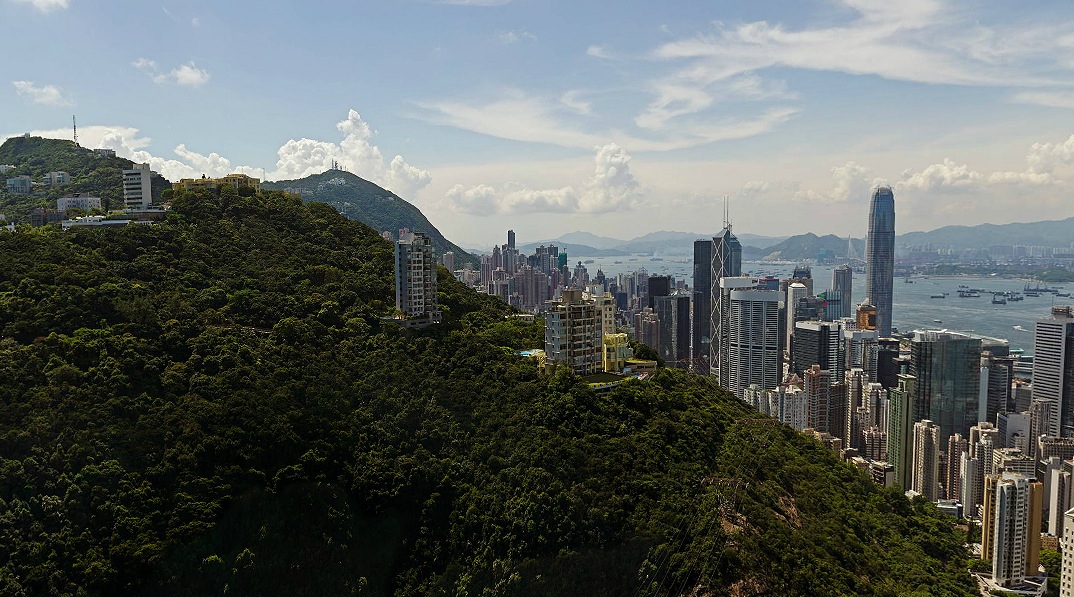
<point x="296" y="158"/>
<point x="850" y="181"/>
<point x="946" y="174"/>
<point x="187" y="74"/>
<point x="45" y="5"/>
<point x="611" y="187"/>
<point x="49" y="95"/>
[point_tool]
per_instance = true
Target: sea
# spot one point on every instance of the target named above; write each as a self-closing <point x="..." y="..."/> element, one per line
<point x="913" y="306"/>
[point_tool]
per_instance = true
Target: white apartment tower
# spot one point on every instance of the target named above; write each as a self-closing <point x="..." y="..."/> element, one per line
<point x="137" y="187"/>
<point x="415" y="277"/>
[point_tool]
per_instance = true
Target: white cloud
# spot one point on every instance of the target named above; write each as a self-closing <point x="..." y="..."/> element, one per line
<point x="571" y="100"/>
<point x="515" y="36"/>
<point x="612" y="187"/>
<point x="45" y="5"/>
<point x="296" y="158"/>
<point x="519" y="117"/>
<point x="850" y="182"/>
<point x="598" y="52"/>
<point x="187" y="74"/>
<point x="49" y="95"/>
<point x="195" y="22"/>
<point x="1052" y="99"/>
<point x="945" y="175"/>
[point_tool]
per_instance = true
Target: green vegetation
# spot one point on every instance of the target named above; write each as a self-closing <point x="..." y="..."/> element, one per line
<point x="215" y="404"/>
<point x="1053" y="564"/>
<point x="90" y="173"/>
<point x="379" y="208"/>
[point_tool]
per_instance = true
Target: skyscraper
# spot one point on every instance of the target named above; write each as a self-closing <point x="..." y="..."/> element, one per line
<point x="900" y="423"/>
<point x="702" y="322"/>
<point x="1010" y="527"/>
<point x="137" y="187"/>
<point x="926" y="460"/>
<point x="880" y="257"/>
<point x="415" y="276"/>
<point x="751" y="352"/>
<point x="510" y="239"/>
<point x="1053" y="368"/>
<point x="573" y="333"/>
<point x="726" y="262"/>
<point x="673" y="312"/>
<point x="842" y="286"/>
<point x="947" y="368"/>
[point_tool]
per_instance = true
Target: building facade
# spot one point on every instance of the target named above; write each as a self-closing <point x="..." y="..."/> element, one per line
<point x="415" y="277"/>
<point x="1053" y="368"/>
<point x="137" y="187"/>
<point x="880" y="257"/>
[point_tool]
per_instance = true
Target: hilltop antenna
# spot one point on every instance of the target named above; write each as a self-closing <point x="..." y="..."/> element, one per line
<point x="74" y="128"/>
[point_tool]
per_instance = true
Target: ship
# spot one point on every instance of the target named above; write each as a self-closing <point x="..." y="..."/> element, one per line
<point x="944" y="295"/>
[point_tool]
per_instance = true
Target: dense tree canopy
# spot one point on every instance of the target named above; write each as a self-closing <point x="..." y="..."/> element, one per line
<point x="217" y="404"/>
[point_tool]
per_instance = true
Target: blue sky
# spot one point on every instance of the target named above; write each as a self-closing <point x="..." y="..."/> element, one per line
<point x="546" y="116"/>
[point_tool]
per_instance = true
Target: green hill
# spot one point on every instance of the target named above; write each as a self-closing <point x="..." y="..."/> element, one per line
<point x="806" y="246"/>
<point x="215" y="405"/>
<point x="90" y="172"/>
<point x="1049" y="233"/>
<point x="379" y="208"/>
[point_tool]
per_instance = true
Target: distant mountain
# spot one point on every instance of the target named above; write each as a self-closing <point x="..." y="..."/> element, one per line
<point x="574" y="250"/>
<point x="682" y="243"/>
<point x="806" y="246"/>
<point x="589" y="239"/>
<point x="358" y="199"/>
<point x="91" y="173"/>
<point x="1049" y="233"/>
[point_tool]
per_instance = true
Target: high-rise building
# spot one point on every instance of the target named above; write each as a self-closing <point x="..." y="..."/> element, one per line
<point x="658" y="286"/>
<point x="753" y="348"/>
<point x="818" y="343"/>
<point x="511" y="239"/>
<point x="957" y="446"/>
<point x="415" y="277"/>
<point x="900" y="425"/>
<point x="997" y="373"/>
<point x="842" y="286"/>
<point x="702" y="319"/>
<point x="1010" y="527"/>
<point x="726" y="263"/>
<point x="137" y="187"/>
<point x="673" y="312"/>
<point x="925" y="478"/>
<point x="449" y="260"/>
<point x="880" y="257"/>
<point x="887" y="369"/>
<point x="573" y="333"/>
<point x="795" y="291"/>
<point x="1053" y="368"/>
<point x="947" y="368"/>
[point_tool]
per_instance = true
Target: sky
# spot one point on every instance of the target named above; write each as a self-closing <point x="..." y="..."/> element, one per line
<point x="547" y="116"/>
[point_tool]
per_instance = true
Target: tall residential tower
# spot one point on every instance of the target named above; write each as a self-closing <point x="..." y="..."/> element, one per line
<point x="880" y="257"/>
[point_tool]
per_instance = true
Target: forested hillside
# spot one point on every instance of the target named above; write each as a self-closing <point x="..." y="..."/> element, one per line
<point x="362" y="200"/>
<point x="215" y="406"/>
<point x="101" y="176"/>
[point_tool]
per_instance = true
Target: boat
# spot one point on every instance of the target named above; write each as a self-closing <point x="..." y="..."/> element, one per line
<point x="937" y="321"/>
<point x="944" y="295"/>
<point x="968" y="294"/>
<point x="999" y="300"/>
<point x="1063" y="294"/>
<point x="1020" y="328"/>
<point x="587" y="261"/>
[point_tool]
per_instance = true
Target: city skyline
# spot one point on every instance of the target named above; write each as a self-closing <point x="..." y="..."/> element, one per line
<point x="536" y="118"/>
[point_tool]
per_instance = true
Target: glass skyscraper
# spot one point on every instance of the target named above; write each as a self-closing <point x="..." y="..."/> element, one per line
<point x="880" y="257"/>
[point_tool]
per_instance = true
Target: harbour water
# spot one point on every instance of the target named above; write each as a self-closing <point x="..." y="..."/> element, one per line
<point x="914" y="307"/>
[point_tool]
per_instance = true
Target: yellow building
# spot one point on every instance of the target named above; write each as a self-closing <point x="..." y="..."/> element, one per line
<point x="616" y="352"/>
<point x="234" y="181"/>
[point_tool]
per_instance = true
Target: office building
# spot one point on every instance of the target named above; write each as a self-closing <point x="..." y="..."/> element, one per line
<point x="1014" y="431"/>
<point x="702" y="306"/>
<point x="926" y="460"/>
<point x="842" y="289"/>
<point x="415" y="277"/>
<point x="573" y="333"/>
<point x="658" y="286"/>
<point x="753" y="349"/>
<point x="449" y="261"/>
<point x="887" y="367"/>
<point x="795" y="292"/>
<point x="1066" y="578"/>
<point x="1053" y="368"/>
<point x="137" y="187"/>
<point x="997" y="373"/>
<point x="726" y="263"/>
<point x="818" y="343"/>
<point x="673" y="313"/>
<point x="1010" y="527"/>
<point x="947" y="368"/>
<point x="880" y="257"/>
